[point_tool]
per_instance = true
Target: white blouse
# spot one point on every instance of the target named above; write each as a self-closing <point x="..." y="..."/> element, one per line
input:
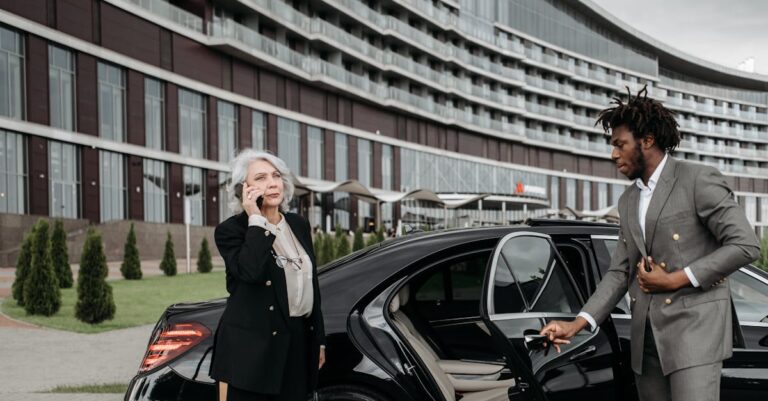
<point x="294" y="261"/>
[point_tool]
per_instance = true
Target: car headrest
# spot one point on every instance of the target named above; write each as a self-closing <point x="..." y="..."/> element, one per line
<point x="404" y="295"/>
<point x="394" y="306"/>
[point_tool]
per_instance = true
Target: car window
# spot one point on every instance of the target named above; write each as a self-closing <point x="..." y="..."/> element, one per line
<point x="750" y="297"/>
<point x="604" y="250"/>
<point x="459" y="279"/>
<point x="529" y="277"/>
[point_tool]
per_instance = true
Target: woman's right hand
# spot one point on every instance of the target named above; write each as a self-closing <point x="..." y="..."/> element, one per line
<point x="249" y="196"/>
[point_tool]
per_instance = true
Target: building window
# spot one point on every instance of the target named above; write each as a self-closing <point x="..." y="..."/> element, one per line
<point x="155" y="191"/>
<point x="194" y="194"/>
<point x="341" y="199"/>
<point x="227" y="114"/>
<point x="570" y="192"/>
<point x="224" y="211"/>
<point x="387" y="163"/>
<point x="154" y="113"/>
<point x="13" y="173"/>
<point x="586" y="192"/>
<point x="11" y="74"/>
<point x="258" y="130"/>
<point x="64" y="174"/>
<point x="602" y="195"/>
<point x="111" y="102"/>
<point x="61" y="88"/>
<point x="112" y="186"/>
<point x="191" y="123"/>
<point x="289" y="144"/>
<point x="315" y="161"/>
<point x="616" y="191"/>
<point x="750" y="208"/>
<point x="364" y="160"/>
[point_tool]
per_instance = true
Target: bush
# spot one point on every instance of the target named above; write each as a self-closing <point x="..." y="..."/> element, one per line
<point x="317" y="245"/>
<point x="204" y="264"/>
<point x="329" y="250"/>
<point x="763" y="261"/>
<point x="60" y="255"/>
<point x="342" y="243"/>
<point x="41" y="287"/>
<point x="168" y="264"/>
<point x="22" y="268"/>
<point x="131" y="267"/>
<point x="95" y="303"/>
<point x="373" y="239"/>
<point x="357" y="243"/>
<point x="380" y="234"/>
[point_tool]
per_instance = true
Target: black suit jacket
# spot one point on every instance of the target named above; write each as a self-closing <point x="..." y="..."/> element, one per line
<point x="252" y="339"/>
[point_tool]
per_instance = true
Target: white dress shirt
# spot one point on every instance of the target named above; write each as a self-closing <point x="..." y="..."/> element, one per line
<point x="298" y="269"/>
<point x="646" y="194"/>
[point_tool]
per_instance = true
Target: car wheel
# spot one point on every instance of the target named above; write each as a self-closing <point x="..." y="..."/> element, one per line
<point x="348" y="393"/>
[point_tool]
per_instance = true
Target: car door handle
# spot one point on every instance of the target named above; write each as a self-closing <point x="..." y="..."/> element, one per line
<point x="586" y="351"/>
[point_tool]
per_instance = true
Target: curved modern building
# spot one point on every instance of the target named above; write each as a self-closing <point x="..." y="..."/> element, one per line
<point x="430" y="112"/>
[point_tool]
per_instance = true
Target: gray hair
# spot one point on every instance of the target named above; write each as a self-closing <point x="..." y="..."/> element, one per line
<point x="239" y="167"/>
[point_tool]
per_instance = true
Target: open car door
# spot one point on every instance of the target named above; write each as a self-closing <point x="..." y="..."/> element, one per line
<point x="526" y="286"/>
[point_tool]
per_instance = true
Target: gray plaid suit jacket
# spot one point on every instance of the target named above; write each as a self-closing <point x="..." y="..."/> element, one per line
<point x="693" y="221"/>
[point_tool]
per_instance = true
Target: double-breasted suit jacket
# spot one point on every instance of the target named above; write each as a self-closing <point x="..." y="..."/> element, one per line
<point x="692" y="221"/>
<point x="252" y="338"/>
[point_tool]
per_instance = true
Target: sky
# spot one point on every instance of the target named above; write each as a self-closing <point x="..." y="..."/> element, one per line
<point x="725" y="32"/>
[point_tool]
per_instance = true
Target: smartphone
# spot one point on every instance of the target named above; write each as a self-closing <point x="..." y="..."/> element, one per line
<point x="239" y="195"/>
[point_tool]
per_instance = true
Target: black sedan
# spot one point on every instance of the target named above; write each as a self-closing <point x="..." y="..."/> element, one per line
<point x="455" y="315"/>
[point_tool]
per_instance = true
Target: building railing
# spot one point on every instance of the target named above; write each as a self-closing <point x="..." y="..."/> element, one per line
<point x="171" y="13"/>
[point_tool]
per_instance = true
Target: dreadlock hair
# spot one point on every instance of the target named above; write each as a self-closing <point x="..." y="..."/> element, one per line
<point x="643" y="117"/>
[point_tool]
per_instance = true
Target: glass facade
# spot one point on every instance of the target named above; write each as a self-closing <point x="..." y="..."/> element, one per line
<point x="64" y="175"/>
<point x="570" y="192"/>
<point x="559" y="23"/>
<point x="365" y="177"/>
<point x="194" y="195"/>
<point x="602" y="195"/>
<point x="227" y="113"/>
<point x="13" y="173"/>
<point x="111" y="102"/>
<point x="155" y="191"/>
<point x="341" y="199"/>
<point x="289" y="144"/>
<point x="112" y="186"/>
<point x="445" y="174"/>
<point x="11" y="74"/>
<point x="154" y="113"/>
<point x="192" y="120"/>
<point x="554" y="192"/>
<point x="258" y="130"/>
<point x="387" y="182"/>
<point x="61" y="88"/>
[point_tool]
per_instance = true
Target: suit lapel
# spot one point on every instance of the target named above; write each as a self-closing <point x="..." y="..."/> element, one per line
<point x="660" y="195"/>
<point x="633" y="219"/>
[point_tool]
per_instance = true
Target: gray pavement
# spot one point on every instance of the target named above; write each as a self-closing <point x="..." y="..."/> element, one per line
<point x="39" y="359"/>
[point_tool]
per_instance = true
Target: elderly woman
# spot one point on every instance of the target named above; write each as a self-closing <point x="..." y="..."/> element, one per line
<point x="270" y="341"/>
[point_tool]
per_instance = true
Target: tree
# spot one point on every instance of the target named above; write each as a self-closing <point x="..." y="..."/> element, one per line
<point x="60" y="255"/>
<point x="317" y="243"/>
<point x="22" y="267"/>
<point x="358" y="243"/>
<point x="131" y="267"/>
<point x="204" y="264"/>
<point x="168" y="264"/>
<point x="342" y="243"/>
<point x="329" y="250"/>
<point x="95" y="303"/>
<point x="41" y="287"/>
<point x="763" y="261"/>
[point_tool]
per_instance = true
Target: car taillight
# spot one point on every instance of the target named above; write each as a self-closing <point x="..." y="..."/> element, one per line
<point x="171" y="342"/>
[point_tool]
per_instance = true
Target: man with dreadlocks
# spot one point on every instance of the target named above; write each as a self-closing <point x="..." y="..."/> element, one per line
<point x="681" y="235"/>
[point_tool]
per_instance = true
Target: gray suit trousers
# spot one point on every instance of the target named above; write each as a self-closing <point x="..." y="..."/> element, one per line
<point x="697" y="383"/>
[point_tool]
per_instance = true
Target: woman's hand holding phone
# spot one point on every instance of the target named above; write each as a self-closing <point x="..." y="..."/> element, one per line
<point x="250" y="197"/>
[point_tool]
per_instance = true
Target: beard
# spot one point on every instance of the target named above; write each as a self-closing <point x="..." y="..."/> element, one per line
<point x="638" y="164"/>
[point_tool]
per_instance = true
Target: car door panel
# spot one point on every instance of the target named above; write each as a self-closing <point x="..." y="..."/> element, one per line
<point x="526" y="286"/>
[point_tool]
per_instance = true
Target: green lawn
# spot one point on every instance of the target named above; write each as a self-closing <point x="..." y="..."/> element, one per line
<point x="137" y="302"/>
<point x="112" y="388"/>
